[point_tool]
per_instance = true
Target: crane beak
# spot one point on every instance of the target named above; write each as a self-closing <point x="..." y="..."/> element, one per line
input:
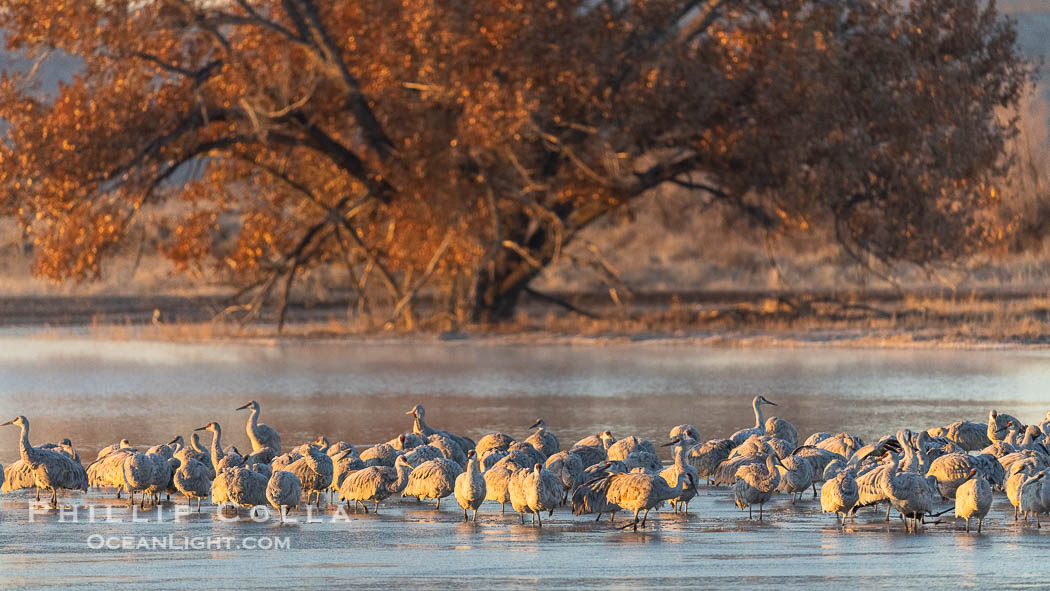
<point x="411" y="412"/>
<point x="534" y="425"/>
<point x="11" y="422"/>
<point x="243" y="407"/>
<point x="204" y="428"/>
<point x="771" y="403"/>
<point x="172" y="442"/>
<point x="668" y="444"/>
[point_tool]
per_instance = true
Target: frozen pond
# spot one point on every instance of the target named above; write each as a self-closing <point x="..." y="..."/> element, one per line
<point x="98" y="392"/>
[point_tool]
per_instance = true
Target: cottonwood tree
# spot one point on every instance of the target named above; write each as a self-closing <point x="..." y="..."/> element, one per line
<point x="472" y="141"/>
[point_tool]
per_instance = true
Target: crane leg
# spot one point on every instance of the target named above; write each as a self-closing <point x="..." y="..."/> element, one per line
<point x="645" y="517"/>
<point x="980" y="522"/>
<point x="439" y="505"/>
<point x="599" y="518"/>
<point x="198" y="504"/>
<point x="464" y="514"/>
<point x="376" y="510"/>
<point x="814" y="490"/>
<point x="967" y="525"/>
<point x="502" y="508"/>
<point x="475" y="515"/>
<point x="749" y="514"/>
<point x="888" y="507"/>
<point x="761" y="506"/>
<point x="539" y="518"/>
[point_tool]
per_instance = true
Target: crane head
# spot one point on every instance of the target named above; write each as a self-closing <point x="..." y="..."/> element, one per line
<point x="538" y="423"/>
<point x="212" y="426"/>
<point x="674" y="441"/>
<point x="762" y="400"/>
<point x="19" y="420"/>
<point x="417" y="411"/>
<point x="251" y="404"/>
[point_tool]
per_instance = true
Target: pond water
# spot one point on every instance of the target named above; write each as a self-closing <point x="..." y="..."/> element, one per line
<point x="97" y="392"/>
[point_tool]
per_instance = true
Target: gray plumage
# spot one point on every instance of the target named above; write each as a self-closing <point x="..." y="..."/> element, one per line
<point x="603" y="440"/>
<point x="314" y="471"/>
<point x="624" y="447"/>
<point x="951" y="470"/>
<point x="910" y="494"/>
<point x="760" y="421"/>
<point x="543" y="440"/>
<point x="755" y="484"/>
<point x="375" y="483"/>
<point x="707" y="456"/>
<point x="973" y="499"/>
<point x="406" y="441"/>
<point x="284" y="491"/>
<point x="688" y="431"/>
<point x="590" y="498"/>
<point x="420" y="427"/>
<point x="568" y="467"/>
<point x="969" y="435"/>
<point x="383" y="454"/>
<point x="344" y="464"/>
<point x="450" y="450"/>
<point x="590" y="455"/>
<point x="52" y="470"/>
<point x="782" y="429"/>
<point x="220" y="458"/>
<point x="543" y="492"/>
<point x="843" y="444"/>
<point x="435" y="479"/>
<point x="497" y="481"/>
<point x="516" y="492"/>
<point x="239" y="486"/>
<point x="493" y="441"/>
<point x="423" y="453"/>
<point x="259" y="434"/>
<point x="470" y="487"/>
<point x="193" y="479"/>
<point x="637" y="492"/>
<point x="675" y="473"/>
<point x="840" y="494"/>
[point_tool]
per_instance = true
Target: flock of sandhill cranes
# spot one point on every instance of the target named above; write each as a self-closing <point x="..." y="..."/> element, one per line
<point x="907" y="471"/>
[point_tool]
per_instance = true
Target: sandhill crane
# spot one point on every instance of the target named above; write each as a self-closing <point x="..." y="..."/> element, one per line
<point x="406" y="441"/>
<point x="677" y="471"/>
<point x="973" y="498"/>
<point x="260" y="435"/>
<point x="193" y="479"/>
<point x="708" y="456"/>
<point x="951" y="470"/>
<point x="450" y="450"/>
<point x="910" y="494"/>
<point x="184" y="453"/>
<point x="819" y="459"/>
<point x="760" y="421"/>
<point x="382" y="454"/>
<point x="343" y="464"/>
<point x="314" y="470"/>
<point x="590" y="454"/>
<point x="590" y="497"/>
<point x="423" y="453"/>
<point x="339" y="447"/>
<point x="497" y="481"/>
<point x="51" y="470"/>
<point x="375" y="483"/>
<point x="603" y="440"/>
<point x="685" y="431"/>
<point x="524" y="455"/>
<point x="516" y="492"/>
<point x="543" y="440"/>
<point x="239" y="486"/>
<point x="969" y="435"/>
<point x="543" y="491"/>
<point x="20" y="475"/>
<point x="755" y="484"/>
<point x="796" y="477"/>
<point x="782" y="429"/>
<point x="493" y="441"/>
<point x="284" y="491"/>
<point x="122" y="444"/>
<point x="568" y="467"/>
<point x="843" y="444"/>
<point x="435" y="479"/>
<point x="624" y="447"/>
<point x="220" y="459"/>
<point x="140" y="475"/>
<point x="470" y="487"/>
<point x="871" y="485"/>
<point x="420" y="427"/>
<point x="840" y="494"/>
<point x="996" y="422"/>
<point x="817" y="438"/>
<point x="638" y="491"/>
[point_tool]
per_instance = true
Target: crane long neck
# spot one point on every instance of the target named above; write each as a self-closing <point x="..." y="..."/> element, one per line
<point x="24" y="448"/>
<point x="253" y="419"/>
<point x="403" y="472"/>
<point x="216" y="446"/>
<point x="760" y="420"/>
<point x="679" y="456"/>
<point x="1028" y="436"/>
<point x="196" y="443"/>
